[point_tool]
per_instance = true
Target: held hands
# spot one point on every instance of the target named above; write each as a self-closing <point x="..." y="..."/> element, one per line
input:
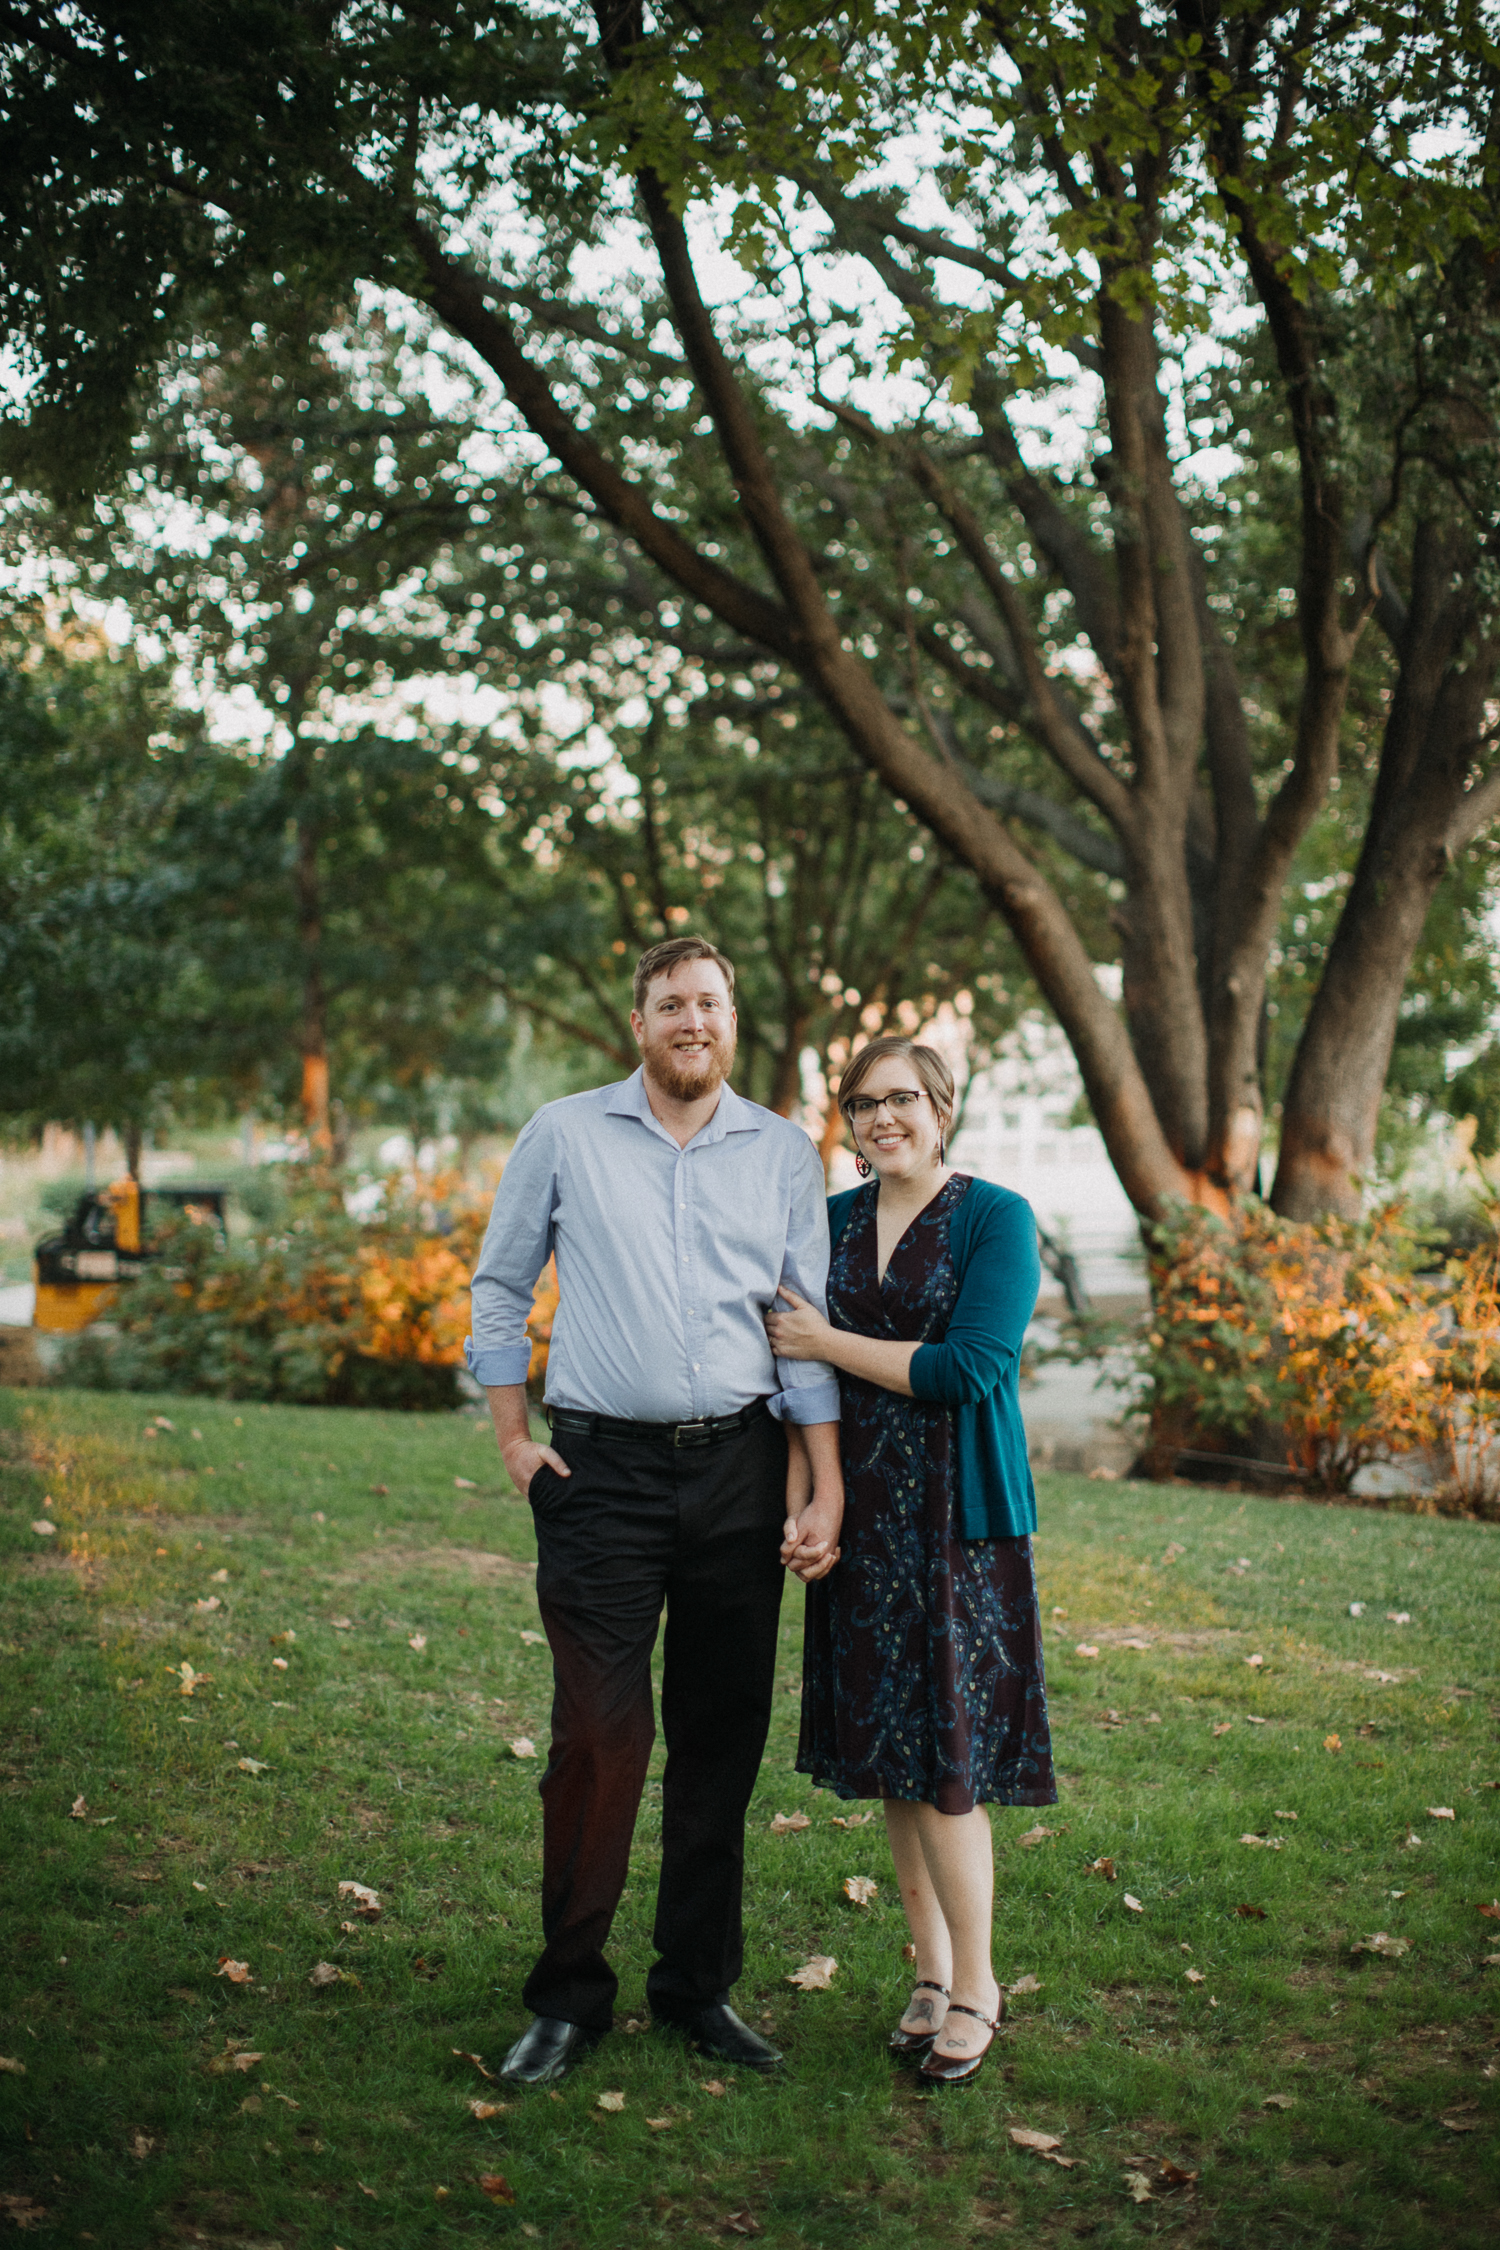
<point x="810" y="1547"/>
<point x="802" y="1333"/>
<point x="523" y="1457"/>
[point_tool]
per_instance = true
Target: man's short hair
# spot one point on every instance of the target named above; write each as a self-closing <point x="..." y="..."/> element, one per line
<point x="660" y="959"/>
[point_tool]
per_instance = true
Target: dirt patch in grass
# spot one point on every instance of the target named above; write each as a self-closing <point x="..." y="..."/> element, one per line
<point x="442" y="1558"/>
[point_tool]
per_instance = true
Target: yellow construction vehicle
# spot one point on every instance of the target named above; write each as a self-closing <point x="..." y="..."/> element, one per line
<point x="106" y="1243"/>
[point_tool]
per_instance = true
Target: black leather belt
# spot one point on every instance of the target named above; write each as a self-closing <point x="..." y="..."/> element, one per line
<point x="565" y="1420"/>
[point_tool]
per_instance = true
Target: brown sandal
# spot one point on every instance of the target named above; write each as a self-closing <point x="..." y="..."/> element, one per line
<point x="910" y="2045"/>
<point x="955" y="2070"/>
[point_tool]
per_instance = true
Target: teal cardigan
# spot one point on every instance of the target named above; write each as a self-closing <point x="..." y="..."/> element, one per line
<point x="976" y="1370"/>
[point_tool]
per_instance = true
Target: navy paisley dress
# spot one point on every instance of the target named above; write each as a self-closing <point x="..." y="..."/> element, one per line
<point x="922" y="1667"/>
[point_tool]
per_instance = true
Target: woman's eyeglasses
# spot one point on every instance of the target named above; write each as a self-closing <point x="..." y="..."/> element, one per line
<point x="862" y="1107"/>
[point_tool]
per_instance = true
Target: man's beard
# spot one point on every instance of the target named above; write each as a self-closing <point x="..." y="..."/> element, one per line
<point x="690" y="1084"/>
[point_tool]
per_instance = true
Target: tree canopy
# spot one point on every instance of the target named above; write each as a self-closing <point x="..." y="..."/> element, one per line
<point x="1089" y="410"/>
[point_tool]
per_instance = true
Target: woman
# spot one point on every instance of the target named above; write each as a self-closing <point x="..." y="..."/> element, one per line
<point x="922" y="1675"/>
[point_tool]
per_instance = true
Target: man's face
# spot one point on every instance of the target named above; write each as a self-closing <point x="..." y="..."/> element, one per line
<point x="686" y="1031"/>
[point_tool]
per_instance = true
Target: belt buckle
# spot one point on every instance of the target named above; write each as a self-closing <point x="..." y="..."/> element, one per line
<point x="690" y="1433"/>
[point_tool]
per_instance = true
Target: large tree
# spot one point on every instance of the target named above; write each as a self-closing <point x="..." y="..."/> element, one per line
<point x="1042" y="218"/>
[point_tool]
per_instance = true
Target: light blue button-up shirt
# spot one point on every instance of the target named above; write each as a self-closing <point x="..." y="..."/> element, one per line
<point x="668" y="1259"/>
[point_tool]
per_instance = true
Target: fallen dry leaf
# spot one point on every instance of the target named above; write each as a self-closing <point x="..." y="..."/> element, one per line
<point x="210" y="1602"/>
<point x="44" y="1529"/>
<point x="485" y="2110"/>
<point x="1251" y="1913"/>
<point x="1490" y="1960"/>
<point x="1085" y="1648"/>
<point x="1267" y="1843"/>
<point x="1024" y="1984"/>
<point x="1037" y="1835"/>
<point x="660" y="2124"/>
<point x="908" y="1952"/>
<point x="1356" y="1609"/>
<point x="366" y="1902"/>
<point x="1492" y="1909"/>
<point x="464" y="1484"/>
<point x="80" y="1810"/>
<point x="187" y="1678"/>
<point x="1279" y="2101"/>
<point x="382" y="1491"/>
<point x="1195" y="1976"/>
<point x="851" y="1820"/>
<point x="1134" y="1903"/>
<point x="1398" y="1617"/>
<point x="861" y="1888"/>
<point x="1025" y="2137"/>
<point x="369" y="2191"/>
<point x="787" y="1823"/>
<point x="742" y="2222"/>
<point x="613" y="2101"/>
<point x="1138" y="2187"/>
<point x="497" y="2187"/>
<point x="521" y="1746"/>
<point x="1252" y="1721"/>
<point x="252" y="1765"/>
<point x="1332" y="1742"/>
<point x="323" y="1973"/>
<point x="218" y="1578"/>
<point x="1461" y="2124"/>
<point x="1224" y="1726"/>
<point x="1278" y="1815"/>
<point x="418" y="1641"/>
<point x="10" y="2064"/>
<point x="1173" y="2175"/>
<point x="247" y="2060"/>
<point x="1255" y="1662"/>
<point x="815" y="1974"/>
<point x="1104" y="1867"/>
<point x="279" y="1663"/>
<point x="1440" y="1812"/>
<point x="288" y="1637"/>
<point x="141" y="2145"/>
<point x="238" y="1972"/>
<point x="22" y="2212"/>
<point x="716" y="2087"/>
<point x="1142" y="1645"/>
<point x="1388" y="1948"/>
<point x="535" y="1640"/>
<point x="464" y="2055"/>
<point x="343" y="1624"/>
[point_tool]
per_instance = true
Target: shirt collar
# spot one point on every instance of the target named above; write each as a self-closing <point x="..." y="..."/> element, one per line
<point x="733" y="1115"/>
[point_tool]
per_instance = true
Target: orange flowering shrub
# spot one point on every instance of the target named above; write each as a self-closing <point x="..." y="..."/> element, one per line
<point x="1327" y="1333"/>
<point x="314" y="1306"/>
<point x="1468" y="1403"/>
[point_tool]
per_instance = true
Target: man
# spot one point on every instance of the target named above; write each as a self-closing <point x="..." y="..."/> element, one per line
<point x="675" y="1210"/>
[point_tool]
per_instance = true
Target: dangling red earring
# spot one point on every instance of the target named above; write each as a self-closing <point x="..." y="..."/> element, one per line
<point x="862" y="1166"/>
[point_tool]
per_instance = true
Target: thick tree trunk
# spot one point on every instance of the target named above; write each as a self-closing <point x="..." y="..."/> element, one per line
<point x="1423" y="814"/>
<point x="313" y="1038"/>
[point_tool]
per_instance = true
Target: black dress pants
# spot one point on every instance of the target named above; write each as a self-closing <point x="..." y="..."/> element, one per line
<point x="638" y="1523"/>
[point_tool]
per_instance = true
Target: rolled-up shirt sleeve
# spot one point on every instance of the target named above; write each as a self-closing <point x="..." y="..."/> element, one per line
<point x="809" y="1387"/>
<point x="517" y="1244"/>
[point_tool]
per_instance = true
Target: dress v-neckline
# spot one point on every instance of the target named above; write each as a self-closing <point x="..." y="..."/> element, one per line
<point x="881" y="1277"/>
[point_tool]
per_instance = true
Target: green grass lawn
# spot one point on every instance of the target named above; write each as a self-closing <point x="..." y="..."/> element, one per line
<point x="1318" y="2095"/>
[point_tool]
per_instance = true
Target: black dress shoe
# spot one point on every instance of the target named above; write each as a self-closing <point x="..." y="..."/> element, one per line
<point x="716" y="2030"/>
<point x="545" y="2052"/>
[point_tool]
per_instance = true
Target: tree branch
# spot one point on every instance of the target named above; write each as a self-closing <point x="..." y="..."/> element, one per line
<point x="457" y="296"/>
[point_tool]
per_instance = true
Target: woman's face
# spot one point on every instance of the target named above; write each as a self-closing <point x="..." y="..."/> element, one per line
<point x="898" y="1137"/>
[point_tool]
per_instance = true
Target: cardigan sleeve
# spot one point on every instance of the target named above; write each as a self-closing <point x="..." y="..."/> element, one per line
<point x="997" y="1292"/>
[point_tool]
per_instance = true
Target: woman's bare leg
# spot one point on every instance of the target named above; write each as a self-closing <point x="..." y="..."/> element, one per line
<point x="924" y="1917"/>
<point x="959" y="1854"/>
